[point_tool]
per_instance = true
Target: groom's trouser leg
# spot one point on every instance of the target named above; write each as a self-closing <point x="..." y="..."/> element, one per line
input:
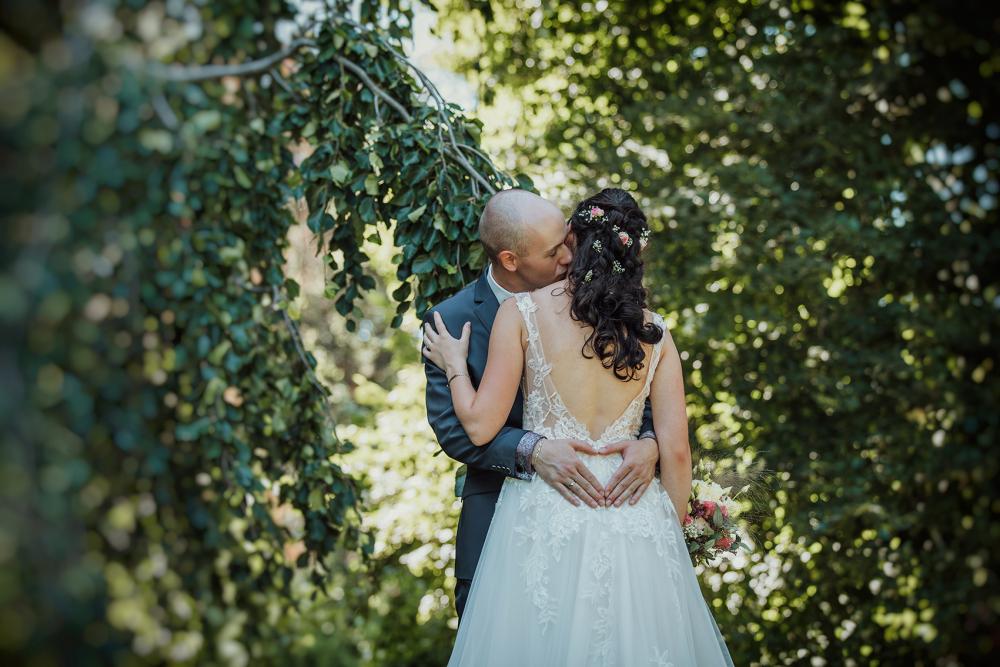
<point x="461" y="595"/>
<point x="473" y="525"/>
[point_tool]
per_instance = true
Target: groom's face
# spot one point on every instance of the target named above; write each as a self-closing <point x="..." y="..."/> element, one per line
<point x="548" y="255"/>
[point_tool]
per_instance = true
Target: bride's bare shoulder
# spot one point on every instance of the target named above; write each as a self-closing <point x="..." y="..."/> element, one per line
<point x="549" y="295"/>
<point x="550" y="291"/>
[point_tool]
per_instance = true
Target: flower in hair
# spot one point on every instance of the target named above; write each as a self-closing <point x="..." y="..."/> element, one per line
<point x="617" y="267"/>
<point x="597" y="245"/>
<point x="643" y="239"/>
<point x="590" y="274"/>
<point x="591" y="214"/>
<point x="625" y="239"/>
<point x="615" y="228"/>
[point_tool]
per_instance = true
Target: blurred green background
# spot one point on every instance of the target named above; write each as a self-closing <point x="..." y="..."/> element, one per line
<point x="214" y="443"/>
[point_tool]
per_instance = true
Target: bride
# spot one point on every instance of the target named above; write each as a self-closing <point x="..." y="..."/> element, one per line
<point x="559" y="584"/>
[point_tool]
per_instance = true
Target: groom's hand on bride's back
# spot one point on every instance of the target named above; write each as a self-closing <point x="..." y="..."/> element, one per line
<point x="556" y="462"/>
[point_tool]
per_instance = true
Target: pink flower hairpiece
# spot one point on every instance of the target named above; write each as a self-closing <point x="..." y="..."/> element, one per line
<point x="591" y="214"/>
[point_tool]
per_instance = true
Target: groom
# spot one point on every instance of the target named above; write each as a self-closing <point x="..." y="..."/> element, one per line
<point x="525" y="238"/>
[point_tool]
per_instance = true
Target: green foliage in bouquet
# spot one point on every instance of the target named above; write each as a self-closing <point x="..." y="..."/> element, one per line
<point x="712" y="526"/>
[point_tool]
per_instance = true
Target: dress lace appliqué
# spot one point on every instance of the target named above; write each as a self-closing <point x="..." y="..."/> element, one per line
<point x="548" y="521"/>
<point x="559" y="584"/>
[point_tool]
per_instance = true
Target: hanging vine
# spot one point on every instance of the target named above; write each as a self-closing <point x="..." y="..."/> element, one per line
<point x="162" y="375"/>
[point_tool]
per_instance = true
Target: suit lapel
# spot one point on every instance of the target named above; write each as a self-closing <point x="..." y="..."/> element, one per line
<point x="486" y="308"/>
<point x="486" y="303"/>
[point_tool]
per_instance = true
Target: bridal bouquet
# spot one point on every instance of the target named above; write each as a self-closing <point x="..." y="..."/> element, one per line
<point x="710" y="527"/>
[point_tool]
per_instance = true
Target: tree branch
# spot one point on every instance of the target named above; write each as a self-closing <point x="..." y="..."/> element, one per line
<point x="439" y="102"/>
<point x="454" y="151"/>
<point x="374" y="87"/>
<point x="280" y="80"/>
<point x="484" y="156"/>
<point x="164" y="112"/>
<point x="179" y="73"/>
<point x="300" y="348"/>
<point x="182" y="73"/>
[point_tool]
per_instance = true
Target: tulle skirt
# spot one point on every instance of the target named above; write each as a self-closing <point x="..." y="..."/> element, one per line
<point x="563" y="585"/>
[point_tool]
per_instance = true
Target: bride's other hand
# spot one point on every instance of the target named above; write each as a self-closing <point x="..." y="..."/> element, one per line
<point x="634" y="475"/>
<point x="442" y="349"/>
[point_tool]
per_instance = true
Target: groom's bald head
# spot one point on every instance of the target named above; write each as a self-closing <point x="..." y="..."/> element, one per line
<point x="509" y="217"/>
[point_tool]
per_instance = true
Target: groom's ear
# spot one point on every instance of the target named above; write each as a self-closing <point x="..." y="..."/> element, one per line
<point x="507" y="259"/>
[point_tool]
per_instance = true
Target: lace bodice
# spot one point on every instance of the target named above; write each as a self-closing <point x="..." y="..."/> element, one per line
<point x="546" y="413"/>
<point x="607" y="587"/>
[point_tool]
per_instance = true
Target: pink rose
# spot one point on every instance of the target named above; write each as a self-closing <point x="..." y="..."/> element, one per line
<point x="709" y="507"/>
<point x="724" y="542"/>
<point x="596" y="212"/>
<point x="624" y="238"/>
<point x="687" y="519"/>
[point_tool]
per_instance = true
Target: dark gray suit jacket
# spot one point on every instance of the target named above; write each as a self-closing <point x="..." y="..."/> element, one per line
<point x="489" y="465"/>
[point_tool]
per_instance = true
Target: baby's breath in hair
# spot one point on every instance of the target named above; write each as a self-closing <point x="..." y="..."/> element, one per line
<point x="592" y="214"/>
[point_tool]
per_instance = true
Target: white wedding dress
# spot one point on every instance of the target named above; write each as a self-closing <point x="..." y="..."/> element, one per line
<point x="559" y="585"/>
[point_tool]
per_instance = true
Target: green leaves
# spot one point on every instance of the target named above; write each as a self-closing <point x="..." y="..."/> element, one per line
<point x="414" y="215"/>
<point x="219" y="352"/>
<point x="159" y="141"/>
<point x="172" y="407"/>
<point x="205" y="121"/>
<point x="340" y="172"/>
<point x="423" y="265"/>
<point x="192" y="431"/>
<point x="316" y="500"/>
<point x="320" y="221"/>
<point x="402" y="292"/>
<point x="399" y="173"/>
<point x="813" y="264"/>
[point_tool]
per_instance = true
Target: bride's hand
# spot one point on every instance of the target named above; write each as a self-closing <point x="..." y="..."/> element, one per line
<point x="442" y="349"/>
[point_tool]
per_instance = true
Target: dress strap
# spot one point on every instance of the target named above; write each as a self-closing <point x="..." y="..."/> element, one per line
<point x="535" y="355"/>
<point x="527" y="306"/>
<point x="656" y="352"/>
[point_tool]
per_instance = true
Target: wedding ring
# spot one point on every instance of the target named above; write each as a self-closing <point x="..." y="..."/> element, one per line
<point x="570" y="484"/>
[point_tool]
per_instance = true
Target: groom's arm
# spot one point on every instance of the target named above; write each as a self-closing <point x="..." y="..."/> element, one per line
<point x="509" y="452"/>
<point x="646" y="430"/>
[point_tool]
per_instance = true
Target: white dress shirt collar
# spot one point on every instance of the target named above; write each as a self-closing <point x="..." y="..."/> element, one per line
<point x="501" y="293"/>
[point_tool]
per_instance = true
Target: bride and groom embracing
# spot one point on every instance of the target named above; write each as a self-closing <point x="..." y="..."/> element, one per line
<point x="563" y="395"/>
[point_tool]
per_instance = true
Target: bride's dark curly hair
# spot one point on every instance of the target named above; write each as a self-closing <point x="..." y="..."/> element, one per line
<point x="605" y="281"/>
